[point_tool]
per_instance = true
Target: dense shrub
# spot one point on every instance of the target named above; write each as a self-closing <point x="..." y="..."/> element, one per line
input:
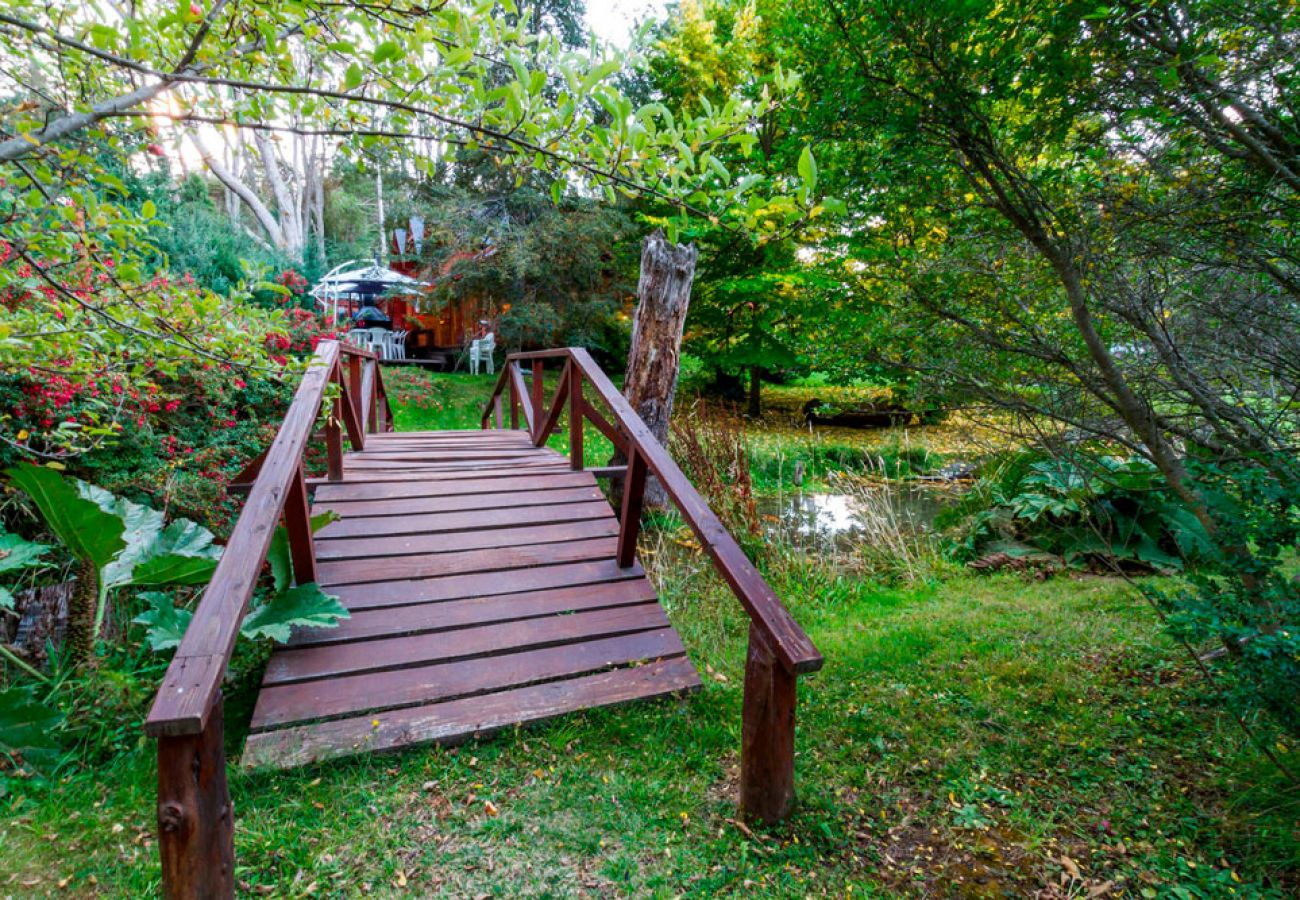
<point x="1095" y="511"/>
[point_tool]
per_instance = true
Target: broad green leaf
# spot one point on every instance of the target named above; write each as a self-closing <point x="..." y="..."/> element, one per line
<point x="141" y="528"/>
<point x="166" y="621"/>
<point x="304" y="606"/>
<point x="16" y="553"/>
<point x="278" y="556"/>
<point x="27" y="726"/>
<point x="352" y="78"/>
<point x="181" y="554"/>
<point x="808" y="169"/>
<point x="6" y="598"/>
<point x="386" y="51"/>
<point x="81" y="523"/>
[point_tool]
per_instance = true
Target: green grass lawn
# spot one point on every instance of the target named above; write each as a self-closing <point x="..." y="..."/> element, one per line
<point x="970" y="737"/>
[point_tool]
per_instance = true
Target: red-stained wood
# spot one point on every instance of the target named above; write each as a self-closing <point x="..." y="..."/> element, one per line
<point x="433" y="565"/>
<point x="576" y="461"/>
<point x="196" y="836"/>
<point x="279" y="705"/>
<point x="792" y="646"/>
<point x="432" y="523"/>
<point x="183" y="703"/>
<point x="494" y="510"/>
<point x="593" y="415"/>
<point x="452" y="486"/>
<point x="473" y="717"/>
<point x="552" y="418"/>
<point x="630" y="519"/>
<point x="297" y="522"/>
<point x="537" y="386"/>
<point x="519" y="398"/>
<point x="334" y="443"/>
<point x="346" y="409"/>
<point x="355" y="392"/>
<point x="766" y="733"/>
<point x="478" y="610"/>
<point x="457" y="587"/>
<point x="307" y="663"/>
<point x="423" y="543"/>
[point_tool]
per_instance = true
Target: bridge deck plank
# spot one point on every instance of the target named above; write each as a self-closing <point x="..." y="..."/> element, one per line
<point x="485" y="593"/>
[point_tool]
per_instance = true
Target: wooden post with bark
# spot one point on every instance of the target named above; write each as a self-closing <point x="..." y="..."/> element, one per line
<point x="663" y="297"/>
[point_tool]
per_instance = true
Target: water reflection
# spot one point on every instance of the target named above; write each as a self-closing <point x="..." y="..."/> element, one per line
<point x="837" y="521"/>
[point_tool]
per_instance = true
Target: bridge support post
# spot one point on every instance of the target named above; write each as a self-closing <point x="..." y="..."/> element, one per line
<point x="766" y="734"/>
<point x="196" y="835"/>
<point x="575" y="419"/>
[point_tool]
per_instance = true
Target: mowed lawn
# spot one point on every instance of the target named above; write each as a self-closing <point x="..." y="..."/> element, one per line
<point x="971" y="737"/>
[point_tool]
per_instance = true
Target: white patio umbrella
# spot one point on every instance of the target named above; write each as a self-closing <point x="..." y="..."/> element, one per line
<point x="357" y="280"/>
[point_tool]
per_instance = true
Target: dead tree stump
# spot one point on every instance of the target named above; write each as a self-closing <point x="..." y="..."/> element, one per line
<point x="663" y="296"/>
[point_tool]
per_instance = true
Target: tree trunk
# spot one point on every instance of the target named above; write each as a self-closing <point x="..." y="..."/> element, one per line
<point x="755" y="392"/>
<point x="663" y="296"/>
<point x="81" y="614"/>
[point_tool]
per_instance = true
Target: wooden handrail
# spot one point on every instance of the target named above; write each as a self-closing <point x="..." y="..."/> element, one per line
<point x="185" y="698"/>
<point x="791" y="645"/>
<point x="194" y="817"/>
<point x="779" y="650"/>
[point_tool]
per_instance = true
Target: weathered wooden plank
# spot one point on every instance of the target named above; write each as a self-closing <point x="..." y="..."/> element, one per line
<point x="456" y="482"/>
<point x="469" y="468"/>
<point x="353" y="505"/>
<point x="453" y="454"/>
<point x="515" y="485"/>
<point x="485" y="608"/>
<point x="472" y="717"/>
<point x="423" y="515"/>
<point x="288" y="704"/>
<point x="305" y="663"/>
<point x="452" y="541"/>
<point x="501" y="560"/>
<point x="457" y="587"/>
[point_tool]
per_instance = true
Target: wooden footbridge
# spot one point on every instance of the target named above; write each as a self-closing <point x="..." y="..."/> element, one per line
<point x="489" y="582"/>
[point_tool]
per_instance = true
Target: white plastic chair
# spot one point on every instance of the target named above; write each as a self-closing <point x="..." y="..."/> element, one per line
<point x="396" y="346"/>
<point x="480" y="351"/>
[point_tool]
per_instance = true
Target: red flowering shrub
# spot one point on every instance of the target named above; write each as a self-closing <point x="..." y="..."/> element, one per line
<point x="291" y="281"/>
<point x="306" y="330"/>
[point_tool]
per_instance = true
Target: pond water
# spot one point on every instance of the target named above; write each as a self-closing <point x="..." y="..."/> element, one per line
<point x="831" y="521"/>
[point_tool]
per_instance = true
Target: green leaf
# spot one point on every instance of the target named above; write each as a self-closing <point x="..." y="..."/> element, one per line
<point x="84" y="527"/>
<point x="386" y="51"/>
<point x="26" y="725"/>
<point x="166" y="621"/>
<point x="6" y="598"/>
<point x="352" y="78"/>
<point x="304" y="606"/>
<point x="181" y="554"/>
<point x="835" y="206"/>
<point x="278" y="554"/>
<point x="149" y="209"/>
<point x="808" y="169"/>
<point x="16" y="553"/>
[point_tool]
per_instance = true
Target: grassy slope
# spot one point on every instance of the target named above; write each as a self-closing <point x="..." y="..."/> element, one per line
<point x="977" y="737"/>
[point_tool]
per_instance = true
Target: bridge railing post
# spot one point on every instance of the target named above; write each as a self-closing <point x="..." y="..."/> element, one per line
<point x="539" y="414"/>
<point x="766" y="734"/>
<point x="629" y="523"/>
<point x="196" y="828"/>
<point x="297" y="522"/>
<point x="334" y="441"/>
<point x="575" y="419"/>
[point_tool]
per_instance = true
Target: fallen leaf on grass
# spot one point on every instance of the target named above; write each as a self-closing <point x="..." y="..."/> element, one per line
<point x="1071" y="867"/>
